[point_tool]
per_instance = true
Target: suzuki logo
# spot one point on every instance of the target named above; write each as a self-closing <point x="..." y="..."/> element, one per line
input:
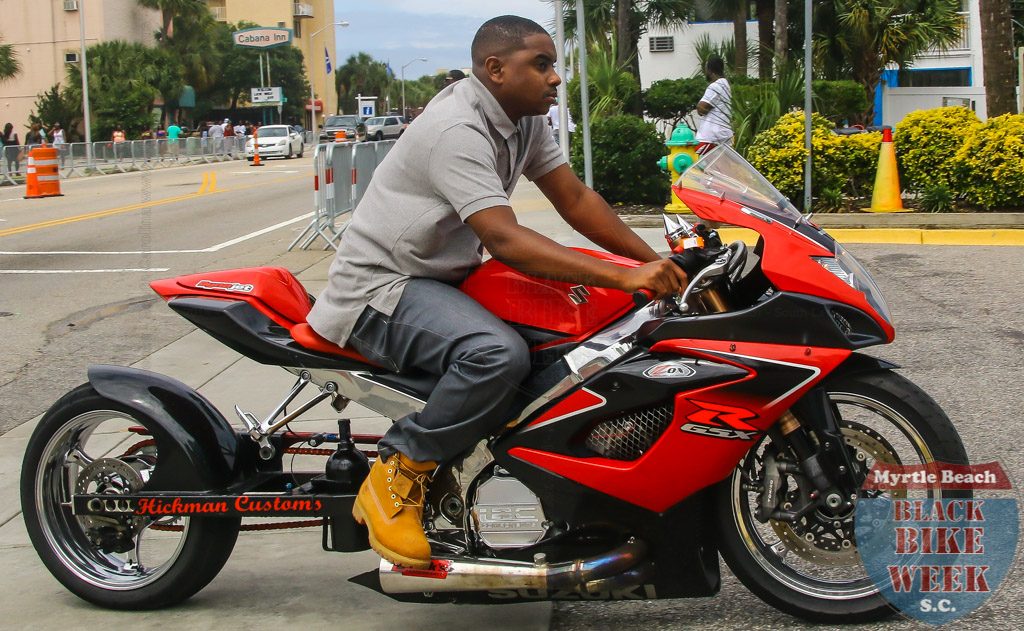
<point x="578" y="294"/>
<point x="243" y="288"/>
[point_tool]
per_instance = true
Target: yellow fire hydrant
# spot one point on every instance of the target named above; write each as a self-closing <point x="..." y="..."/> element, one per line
<point x="682" y="153"/>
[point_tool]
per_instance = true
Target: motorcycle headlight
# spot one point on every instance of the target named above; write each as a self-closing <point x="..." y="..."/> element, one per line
<point x="848" y="269"/>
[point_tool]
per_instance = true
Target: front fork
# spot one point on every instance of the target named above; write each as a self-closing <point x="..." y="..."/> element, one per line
<point x="820" y="456"/>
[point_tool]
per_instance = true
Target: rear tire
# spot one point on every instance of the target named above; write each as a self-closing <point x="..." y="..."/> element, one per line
<point x="775" y="572"/>
<point x="58" y="461"/>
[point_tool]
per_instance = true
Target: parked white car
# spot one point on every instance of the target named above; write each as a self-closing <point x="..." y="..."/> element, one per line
<point x="385" y="127"/>
<point x="276" y="141"/>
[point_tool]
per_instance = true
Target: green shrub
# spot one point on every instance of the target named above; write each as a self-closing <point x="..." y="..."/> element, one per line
<point x="626" y="152"/>
<point x="839" y="101"/>
<point x="990" y="164"/>
<point x="831" y="200"/>
<point x="937" y="198"/>
<point x="672" y="99"/>
<point x="927" y="142"/>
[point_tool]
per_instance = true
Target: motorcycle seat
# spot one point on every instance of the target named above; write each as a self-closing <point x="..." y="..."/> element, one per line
<point x="310" y="339"/>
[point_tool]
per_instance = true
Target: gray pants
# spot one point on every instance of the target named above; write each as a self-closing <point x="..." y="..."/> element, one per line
<point x="478" y="359"/>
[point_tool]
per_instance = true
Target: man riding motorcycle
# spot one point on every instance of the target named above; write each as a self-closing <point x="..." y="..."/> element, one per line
<point x="440" y="198"/>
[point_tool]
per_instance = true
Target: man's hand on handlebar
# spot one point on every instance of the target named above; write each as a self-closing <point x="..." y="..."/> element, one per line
<point x="663" y="278"/>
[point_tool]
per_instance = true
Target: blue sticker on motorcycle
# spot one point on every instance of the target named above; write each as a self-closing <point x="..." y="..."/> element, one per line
<point x="932" y="544"/>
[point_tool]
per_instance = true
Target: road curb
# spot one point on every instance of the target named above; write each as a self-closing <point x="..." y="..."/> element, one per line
<point x="965" y="234"/>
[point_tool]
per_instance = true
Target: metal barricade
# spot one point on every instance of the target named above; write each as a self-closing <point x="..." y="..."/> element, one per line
<point x="331" y="163"/>
<point x="364" y="163"/>
<point x="342" y="173"/>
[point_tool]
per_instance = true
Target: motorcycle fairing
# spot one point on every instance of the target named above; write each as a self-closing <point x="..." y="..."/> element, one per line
<point x="788" y="249"/>
<point x="765" y="380"/>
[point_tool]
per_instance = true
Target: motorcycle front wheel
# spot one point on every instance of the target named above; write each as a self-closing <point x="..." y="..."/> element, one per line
<point x="811" y="568"/>
<point x="87" y="444"/>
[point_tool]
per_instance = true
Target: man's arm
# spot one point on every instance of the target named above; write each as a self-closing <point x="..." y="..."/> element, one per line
<point x="703" y="108"/>
<point x="589" y="214"/>
<point x="537" y="255"/>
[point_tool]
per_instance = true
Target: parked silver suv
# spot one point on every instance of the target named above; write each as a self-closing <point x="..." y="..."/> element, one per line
<point x="385" y="127"/>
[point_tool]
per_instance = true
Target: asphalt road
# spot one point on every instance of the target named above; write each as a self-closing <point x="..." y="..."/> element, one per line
<point x="960" y="329"/>
<point x="60" y="311"/>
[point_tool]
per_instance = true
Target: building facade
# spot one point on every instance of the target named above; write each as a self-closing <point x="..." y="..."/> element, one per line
<point x="937" y="78"/>
<point x="45" y="37"/>
<point x="305" y="19"/>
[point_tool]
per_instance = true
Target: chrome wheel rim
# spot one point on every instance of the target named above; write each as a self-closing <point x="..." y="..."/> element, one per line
<point x="841" y="577"/>
<point x="81" y="441"/>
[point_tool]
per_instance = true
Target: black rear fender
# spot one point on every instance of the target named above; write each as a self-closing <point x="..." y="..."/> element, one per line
<point x="198" y="449"/>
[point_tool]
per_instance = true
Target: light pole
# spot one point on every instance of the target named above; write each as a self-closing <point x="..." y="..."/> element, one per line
<point x="312" y="100"/>
<point x="85" y="85"/>
<point x="403" y="82"/>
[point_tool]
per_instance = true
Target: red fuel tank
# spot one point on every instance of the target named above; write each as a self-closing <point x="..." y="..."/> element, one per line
<point x="572" y="309"/>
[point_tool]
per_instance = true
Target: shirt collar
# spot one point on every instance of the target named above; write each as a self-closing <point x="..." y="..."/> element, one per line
<point x="495" y="115"/>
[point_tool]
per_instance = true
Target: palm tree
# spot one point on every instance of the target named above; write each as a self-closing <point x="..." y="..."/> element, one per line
<point x="606" y="18"/>
<point x="997" y="56"/>
<point x="781" y="30"/>
<point x="170" y="9"/>
<point x="858" y="38"/>
<point x="9" y="64"/>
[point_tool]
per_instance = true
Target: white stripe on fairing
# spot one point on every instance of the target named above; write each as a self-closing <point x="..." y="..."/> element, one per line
<point x="212" y="248"/>
<point x="814" y="369"/>
<point x="571" y="414"/>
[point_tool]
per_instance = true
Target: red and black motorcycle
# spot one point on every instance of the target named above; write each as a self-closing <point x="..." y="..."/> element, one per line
<point x="736" y="418"/>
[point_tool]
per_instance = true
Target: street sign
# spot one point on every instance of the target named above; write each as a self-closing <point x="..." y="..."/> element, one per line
<point x="262" y="37"/>
<point x="265" y="95"/>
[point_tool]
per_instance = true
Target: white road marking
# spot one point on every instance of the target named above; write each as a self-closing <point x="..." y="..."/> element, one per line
<point x="84" y="271"/>
<point x="212" y="248"/>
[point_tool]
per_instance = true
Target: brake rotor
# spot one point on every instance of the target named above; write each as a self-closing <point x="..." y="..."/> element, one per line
<point x="829" y="540"/>
<point x="113" y="477"/>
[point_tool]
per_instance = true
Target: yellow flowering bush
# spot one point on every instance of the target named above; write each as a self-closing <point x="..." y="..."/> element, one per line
<point x="842" y="165"/>
<point x="989" y="167"/>
<point x="927" y="142"/>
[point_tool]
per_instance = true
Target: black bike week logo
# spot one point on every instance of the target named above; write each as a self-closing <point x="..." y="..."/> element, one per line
<point x="937" y="539"/>
<point x="156" y="507"/>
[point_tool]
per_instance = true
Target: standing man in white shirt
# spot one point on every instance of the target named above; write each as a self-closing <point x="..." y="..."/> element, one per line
<point x="715" y="107"/>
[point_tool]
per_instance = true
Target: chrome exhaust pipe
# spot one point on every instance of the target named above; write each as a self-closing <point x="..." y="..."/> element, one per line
<point x="476" y="574"/>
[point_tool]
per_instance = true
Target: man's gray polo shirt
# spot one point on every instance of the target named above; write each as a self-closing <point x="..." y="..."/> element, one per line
<point x="462" y="155"/>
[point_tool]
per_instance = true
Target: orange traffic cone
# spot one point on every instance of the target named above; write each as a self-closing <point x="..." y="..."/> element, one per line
<point x="340" y="136"/>
<point x="256" y="148"/>
<point x="885" y="198"/>
<point x="42" y="179"/>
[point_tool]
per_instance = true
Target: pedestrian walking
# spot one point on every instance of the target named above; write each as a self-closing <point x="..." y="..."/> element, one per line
<point x="59" y="142"/>
<point x="12" y="149"/>
<point x="715" y="107"/>
<point x="116" y="138"/>
<point x="173" y="132"/>
<point x="555" y="122"/>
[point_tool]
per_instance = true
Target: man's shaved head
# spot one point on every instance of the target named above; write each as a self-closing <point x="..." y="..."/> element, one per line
<point x="502" y="35"/>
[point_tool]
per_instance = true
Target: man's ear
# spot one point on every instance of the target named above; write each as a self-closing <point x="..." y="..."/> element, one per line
<point x="494" y="67"/>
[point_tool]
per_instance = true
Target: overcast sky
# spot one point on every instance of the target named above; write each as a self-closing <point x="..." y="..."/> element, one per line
<point x="440" y="30"/>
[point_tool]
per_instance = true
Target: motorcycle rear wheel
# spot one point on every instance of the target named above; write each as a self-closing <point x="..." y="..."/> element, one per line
<point x="84" y="444"/>
<point x="811" y="569"/>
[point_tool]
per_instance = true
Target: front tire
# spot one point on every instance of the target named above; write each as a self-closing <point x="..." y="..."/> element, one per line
<point x="811" y="569"/>
<point x="79" y="446"/>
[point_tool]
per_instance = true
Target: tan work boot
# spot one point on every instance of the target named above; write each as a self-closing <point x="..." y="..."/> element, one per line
<point x="390" y="504"/>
